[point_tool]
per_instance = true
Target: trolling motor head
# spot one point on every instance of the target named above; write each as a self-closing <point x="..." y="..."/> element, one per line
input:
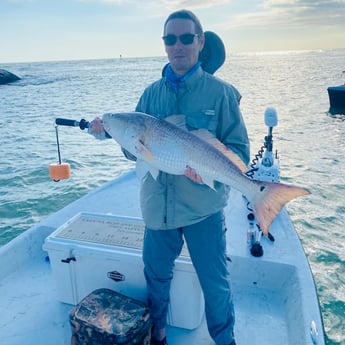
<point x="271" y="119"/>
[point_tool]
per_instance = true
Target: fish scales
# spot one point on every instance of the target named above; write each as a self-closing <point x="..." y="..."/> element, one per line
<point x="178" y="149"/>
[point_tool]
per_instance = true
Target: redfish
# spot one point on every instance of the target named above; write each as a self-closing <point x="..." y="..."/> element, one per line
<point x="164" y="146"/>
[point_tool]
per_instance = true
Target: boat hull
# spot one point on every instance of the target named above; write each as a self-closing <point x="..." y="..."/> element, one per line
<point x="274" y="295"/>
<point x="336" y="96"/>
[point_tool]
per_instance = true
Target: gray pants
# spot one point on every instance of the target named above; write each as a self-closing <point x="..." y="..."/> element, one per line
<point x="207" y="248"/>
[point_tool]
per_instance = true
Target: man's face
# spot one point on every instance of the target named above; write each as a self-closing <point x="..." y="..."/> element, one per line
<point x="182" y="57"/>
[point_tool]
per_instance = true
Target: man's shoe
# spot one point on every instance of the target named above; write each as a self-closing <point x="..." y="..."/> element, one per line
<point x="158" y="342"/>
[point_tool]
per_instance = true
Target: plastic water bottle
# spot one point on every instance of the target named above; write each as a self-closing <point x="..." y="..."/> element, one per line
<point x="251" y="230"/>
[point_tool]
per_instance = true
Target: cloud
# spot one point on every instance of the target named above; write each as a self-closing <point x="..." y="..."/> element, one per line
<point x="293" y="14"/>
<point x="191" y="4"/>
<point x="167" y="5"/>
<point x="111" y="2"/>
<point x="17" y="2"/>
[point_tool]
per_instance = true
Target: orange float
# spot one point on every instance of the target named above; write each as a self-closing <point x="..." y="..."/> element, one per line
<point x="59" y="171"/>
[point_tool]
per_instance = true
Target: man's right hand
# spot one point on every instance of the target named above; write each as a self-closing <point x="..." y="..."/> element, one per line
<point x="96" y="129"/>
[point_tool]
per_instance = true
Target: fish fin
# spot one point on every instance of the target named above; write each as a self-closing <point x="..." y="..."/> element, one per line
<point x="207" y="136"/>
<point x="154" y="172"/>
<point x="178" y="120"/>
<point x="143" y="150"/>
<point x="208" y="182"/>
<point x="204" y="179"/>
<point x="270" y="199"/>
<point x="142" y="168"/>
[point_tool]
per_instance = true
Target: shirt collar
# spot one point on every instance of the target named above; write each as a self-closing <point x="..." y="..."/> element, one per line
<point x="175" y="80"/>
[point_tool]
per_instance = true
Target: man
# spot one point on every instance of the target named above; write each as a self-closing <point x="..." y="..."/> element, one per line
<point x="182" y="207"/>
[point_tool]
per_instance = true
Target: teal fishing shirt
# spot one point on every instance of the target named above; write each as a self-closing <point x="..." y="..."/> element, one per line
<point x="173" y="201"/>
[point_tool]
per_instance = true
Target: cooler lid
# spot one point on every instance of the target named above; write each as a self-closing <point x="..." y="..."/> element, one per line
<point x="120" y="231"/>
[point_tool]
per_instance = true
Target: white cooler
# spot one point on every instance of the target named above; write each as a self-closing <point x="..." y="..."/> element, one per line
<point x="93" y="251"/>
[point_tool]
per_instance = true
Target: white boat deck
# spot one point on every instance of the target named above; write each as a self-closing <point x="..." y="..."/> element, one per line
<point x="274" y="296"/>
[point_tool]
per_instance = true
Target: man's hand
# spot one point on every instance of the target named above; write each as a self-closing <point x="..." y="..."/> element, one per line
<point x="96" y="128"/>
<point x="191" y="174"/>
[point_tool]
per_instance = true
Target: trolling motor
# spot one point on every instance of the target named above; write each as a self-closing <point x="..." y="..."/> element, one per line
<point x="265" y="167"/>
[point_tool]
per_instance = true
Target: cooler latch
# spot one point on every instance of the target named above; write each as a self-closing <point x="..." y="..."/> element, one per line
<point x="68" y="260"/>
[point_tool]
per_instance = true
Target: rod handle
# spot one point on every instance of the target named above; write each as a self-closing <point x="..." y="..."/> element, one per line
<point x="82" y="124"/>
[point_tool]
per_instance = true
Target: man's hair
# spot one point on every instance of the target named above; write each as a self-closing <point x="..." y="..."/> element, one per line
<point x="185" y="14"/>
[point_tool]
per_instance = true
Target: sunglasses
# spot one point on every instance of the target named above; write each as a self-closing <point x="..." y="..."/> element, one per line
<point x="170" y="40"/>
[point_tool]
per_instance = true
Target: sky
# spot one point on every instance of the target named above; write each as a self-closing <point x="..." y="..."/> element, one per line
<point x="50" y="30"/>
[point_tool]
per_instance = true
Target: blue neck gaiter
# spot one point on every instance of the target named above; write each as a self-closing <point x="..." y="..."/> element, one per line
<point x="175" y="80"/>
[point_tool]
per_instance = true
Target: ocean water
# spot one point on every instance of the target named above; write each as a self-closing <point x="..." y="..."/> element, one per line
<point x="310" y="143"/>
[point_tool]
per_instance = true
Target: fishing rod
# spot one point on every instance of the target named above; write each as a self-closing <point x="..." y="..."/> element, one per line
<point x="82" y="124"/>
<point x="61" y="171"/>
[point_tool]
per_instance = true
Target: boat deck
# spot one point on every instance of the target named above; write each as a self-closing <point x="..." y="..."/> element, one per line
<point x="274" y="296"/>
<point x="40" y="319"/>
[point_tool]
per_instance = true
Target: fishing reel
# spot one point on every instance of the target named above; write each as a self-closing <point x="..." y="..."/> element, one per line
<point x="266" y="166"/>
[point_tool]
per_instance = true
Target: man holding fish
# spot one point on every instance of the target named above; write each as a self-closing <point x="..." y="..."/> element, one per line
<point x="174" y="206"/>
<point x="181" y="199"/>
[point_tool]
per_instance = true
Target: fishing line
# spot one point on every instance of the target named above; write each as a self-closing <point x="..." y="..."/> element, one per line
<point x="58" y="143"/>
<point x="59" y="171"/>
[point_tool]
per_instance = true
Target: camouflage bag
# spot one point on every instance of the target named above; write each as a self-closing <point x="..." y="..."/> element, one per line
<point x="106" y="317"/>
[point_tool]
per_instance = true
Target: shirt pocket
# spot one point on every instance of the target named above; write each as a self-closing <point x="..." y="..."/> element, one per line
<point x="202" y="119"/>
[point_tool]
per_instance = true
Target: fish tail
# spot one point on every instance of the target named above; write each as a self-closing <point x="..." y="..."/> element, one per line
<point x="271" y="199"/>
